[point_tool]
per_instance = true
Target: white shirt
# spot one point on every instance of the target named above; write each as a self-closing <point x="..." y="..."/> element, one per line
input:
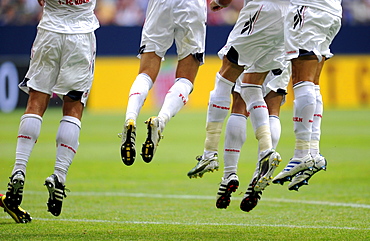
<point x="69" y="16"/>
<point x="332" y="6"/>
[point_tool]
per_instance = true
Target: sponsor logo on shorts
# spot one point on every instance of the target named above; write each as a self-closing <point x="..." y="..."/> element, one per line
<point x="249" y="25"/>
<point x="299" y="17"/>
<point x="291" y="52"/>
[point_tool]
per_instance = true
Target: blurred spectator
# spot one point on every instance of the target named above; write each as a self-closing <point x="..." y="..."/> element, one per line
<point x="226" y="16"/>
<point x="105" y="11"/>
<point x="19" y="12"/>
<point x="129" y="13"/>
<point x="132" y="12"/>
<point x="359" y="11"/>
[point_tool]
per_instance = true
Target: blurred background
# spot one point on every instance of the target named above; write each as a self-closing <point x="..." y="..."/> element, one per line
<point x="345" y="79"/>
<point x="132" y="12"/>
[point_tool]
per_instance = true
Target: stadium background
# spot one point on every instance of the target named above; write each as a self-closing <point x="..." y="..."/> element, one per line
<point x="345" y="79"/>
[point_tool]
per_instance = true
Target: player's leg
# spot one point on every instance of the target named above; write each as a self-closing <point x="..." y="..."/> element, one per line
<point x="28" y="133"/>
<point x="175" y="99"/>
<point x="178" y="94"/>
<point x="318" y="114"/>
<point x="303" y="74"/>
<point x="263" y="112"/>
<point x="149" y="68"/>
<point x="319" y="44"/>
<point x="256" y="106"/>
<point x="273" y="101"/>
<point x="306" y="51"/>
<point x="67" y="141"/>
<point x="219" y="104"/>
<point x="320" y="162"/>
<point x="251" y="92"/>
<point x="218" y="108"/>
<point x="233" y="144"/>
<point x="235" y="136"/>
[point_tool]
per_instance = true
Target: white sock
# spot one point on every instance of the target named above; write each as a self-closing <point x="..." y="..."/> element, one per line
<point x="219" y="100"/>
<point x="67" y="144"/>
<point x="213" y="133"/>
<point x="235" y="136"/>
<point x="175" y="99"/>
<point x="218" y="108"/>
<point x="275" y="129"/>
<point x="316" y="125"/>
<point x="304" y="107"/>
<point x="257" y="107"/>
<point x="138" y="93"/>
<point x="28" y="133"/>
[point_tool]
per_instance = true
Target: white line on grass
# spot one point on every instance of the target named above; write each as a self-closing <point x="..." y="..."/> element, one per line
<point x="146" y="195"/>
<point x="201" y="224"/>
<point x="198" y="197"/>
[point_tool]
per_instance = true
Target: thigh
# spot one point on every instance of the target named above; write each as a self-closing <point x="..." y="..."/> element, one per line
<point x="37" y="102"/>
<point x="72" y="107"/>
<point x="304" y="69"/>
<point x="150" y="64"/>
<point x="274" y="101"/>
<point x="254" y="78"/>
<point x="187" y="68"/>
<point x="238" y="106"/>
<point x="230" y="70"/>
<point x="318" y="72"/>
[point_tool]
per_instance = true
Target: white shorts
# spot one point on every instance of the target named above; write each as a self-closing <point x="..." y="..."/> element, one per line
<point x="61" y="63"/>
<point x="257" y="35"/>
<point x="181" y="20"/>
<point x="311" y="30"/>
<point x="275" y="81"/>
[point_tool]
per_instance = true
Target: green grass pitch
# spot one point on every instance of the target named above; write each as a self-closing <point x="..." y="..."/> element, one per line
<point x="157" y="201"/>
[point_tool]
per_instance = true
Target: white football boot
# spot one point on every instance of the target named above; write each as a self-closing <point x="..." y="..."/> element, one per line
<point x="204" y="165"/>
<point x="294" y="166"/>
<point x="128" y="152"/>
<point x="266" y="166"/>
<point x="155" y="128"/>
<point x="302" y="177"/>
<point x="227" y="187"/>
